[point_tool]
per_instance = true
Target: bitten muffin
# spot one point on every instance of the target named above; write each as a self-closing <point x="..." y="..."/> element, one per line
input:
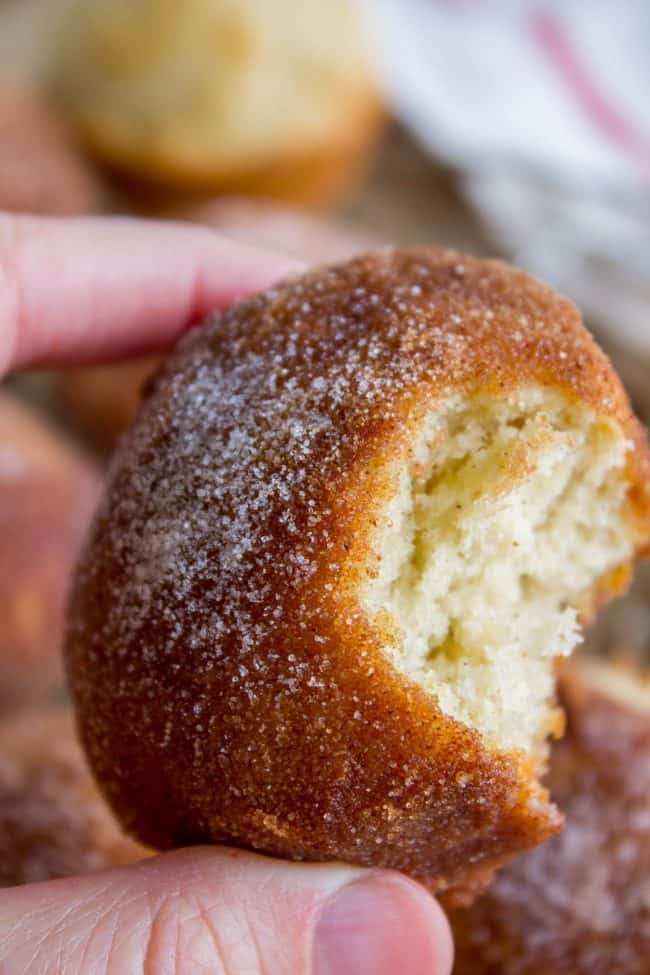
<point x="41" y="169"/>
<point x="356" y="520"/>
<point x="48" y="492"/>
<point x="275" y="100"/>
<point x="101" y="400"/>
<point x="53" y="821"/>
<point x="581" y="902"/>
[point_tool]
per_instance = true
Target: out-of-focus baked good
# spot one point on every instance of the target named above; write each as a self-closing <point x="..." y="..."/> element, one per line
<point x="625" y="624"/>
<point x="41" y="169"/>
<point x="355" y="520"/>
<point x="229" y="95"/>
<point x="53" y="822"/>
<point x="579" y="904"/>
<point x="48" y="492"/>
<point x="101" y="400"/>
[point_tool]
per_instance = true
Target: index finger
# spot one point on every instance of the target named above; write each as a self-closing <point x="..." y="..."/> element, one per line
<point x="100" y="288"/>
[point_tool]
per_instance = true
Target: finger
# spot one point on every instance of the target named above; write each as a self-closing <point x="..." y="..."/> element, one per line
<point x="226" y="913"/>
<point x="92" y="289"/>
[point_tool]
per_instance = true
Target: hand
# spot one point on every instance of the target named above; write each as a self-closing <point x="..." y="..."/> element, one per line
<point x="92" y="289"/>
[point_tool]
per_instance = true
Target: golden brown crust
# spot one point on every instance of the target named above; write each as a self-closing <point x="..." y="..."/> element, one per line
<point x="316" y="177"/>
<point x="580" y="903"/>
<point x="47" y="494"/>
<point x="53" y="822"/>
<point x="42" y="171"/>
<point x="223" y="572"/>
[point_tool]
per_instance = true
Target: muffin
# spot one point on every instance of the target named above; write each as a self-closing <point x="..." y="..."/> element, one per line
<point x="221" y="95"/>
<point x="355" y="522"/>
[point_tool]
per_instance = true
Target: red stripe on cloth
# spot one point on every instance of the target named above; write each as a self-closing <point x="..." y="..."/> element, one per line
<point x="558" y="49"/>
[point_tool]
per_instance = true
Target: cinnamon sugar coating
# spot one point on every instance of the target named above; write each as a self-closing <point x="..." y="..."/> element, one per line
<point x="229" y="686"/>
<point x="581" y="902"/>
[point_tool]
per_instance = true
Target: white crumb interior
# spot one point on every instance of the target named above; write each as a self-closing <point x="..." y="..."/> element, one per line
<point x="508" y="511"/>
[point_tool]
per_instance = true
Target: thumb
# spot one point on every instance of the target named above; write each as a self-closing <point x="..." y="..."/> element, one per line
<point x="227" y="913"/>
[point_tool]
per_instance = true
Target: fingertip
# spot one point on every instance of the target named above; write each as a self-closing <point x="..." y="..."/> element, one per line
<point x="382" y="924"/>
<point x="205" y="910"/>
<point x="93" y="289"/>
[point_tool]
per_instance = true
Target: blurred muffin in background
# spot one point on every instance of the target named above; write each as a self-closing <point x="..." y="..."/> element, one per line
<point x="41" y="169"/>
<point x="48" y="492"/>
<point x="626" y="624"/>
<point x="53" y="821"/>
<point x="100" y="400"/>
<point x="244" y="96"/>
<point x="580" y="903"/>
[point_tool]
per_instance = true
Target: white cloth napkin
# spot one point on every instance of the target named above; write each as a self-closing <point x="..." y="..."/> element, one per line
<point x="544" y="108"/>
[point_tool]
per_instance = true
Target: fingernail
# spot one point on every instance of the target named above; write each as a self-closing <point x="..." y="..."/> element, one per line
<point x="381" y="924"/>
